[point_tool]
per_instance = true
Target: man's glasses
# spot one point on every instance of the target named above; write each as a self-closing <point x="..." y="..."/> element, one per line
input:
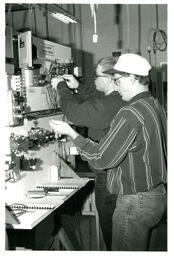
<point x="116" y="79"/>
<point x="96" y="76"/>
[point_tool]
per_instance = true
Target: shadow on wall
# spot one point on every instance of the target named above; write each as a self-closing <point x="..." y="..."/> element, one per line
<point x="86" y="61"/>
<point x="89" y="68"/>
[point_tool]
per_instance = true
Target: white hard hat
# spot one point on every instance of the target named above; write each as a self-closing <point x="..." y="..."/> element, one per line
<point x="131" y="63"/>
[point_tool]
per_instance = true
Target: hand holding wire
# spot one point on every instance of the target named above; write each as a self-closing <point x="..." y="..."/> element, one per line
<point x="56" y="80"/>
<point x="71" y="81"/>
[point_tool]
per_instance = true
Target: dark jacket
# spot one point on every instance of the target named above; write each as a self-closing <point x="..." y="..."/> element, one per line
<point x="89" y="108"/>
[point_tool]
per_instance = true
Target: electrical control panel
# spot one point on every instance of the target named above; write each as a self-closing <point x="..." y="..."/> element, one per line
<point x="30" y="94"/>
<point x="33" y="50"/>
<point x="40" y="60"/>
<point x="31" y="97"/>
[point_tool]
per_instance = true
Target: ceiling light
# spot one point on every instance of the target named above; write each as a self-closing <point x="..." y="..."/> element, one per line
<point x="59" y="13"/>
<point x="62" y="17"/>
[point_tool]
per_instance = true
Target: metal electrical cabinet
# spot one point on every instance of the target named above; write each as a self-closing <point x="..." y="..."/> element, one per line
<point x="33" y="50"/>
<point x="35" y="58"/>
<point x="29" y="90"/>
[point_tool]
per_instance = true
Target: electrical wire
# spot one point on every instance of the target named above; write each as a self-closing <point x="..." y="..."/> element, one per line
<point x="52" y="97"/>
<point x="93" y="14"/>
<point x="95" y="22"/>
<point x="139" y="28"/>
<point x="159" y="40"/>
<point x="128" y="46"/>
<point x="156" y="6"/>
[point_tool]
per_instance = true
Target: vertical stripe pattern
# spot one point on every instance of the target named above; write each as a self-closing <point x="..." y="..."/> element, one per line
<point x="134" y="150"/>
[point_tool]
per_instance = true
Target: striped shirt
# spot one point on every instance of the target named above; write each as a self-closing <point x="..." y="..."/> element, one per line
<point x="134" y="149"/>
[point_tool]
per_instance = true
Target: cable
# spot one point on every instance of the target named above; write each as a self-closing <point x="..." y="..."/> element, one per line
<point x="93" y="14"/>
<point x="95" y="22"/>
<point x="128" y="46"/>
<point x="51" y="97"/>
<point x="159" y="36"/>
<point x="159" y="40"/>
<point x="156" y="16"/>
<point x="139" y="28"/>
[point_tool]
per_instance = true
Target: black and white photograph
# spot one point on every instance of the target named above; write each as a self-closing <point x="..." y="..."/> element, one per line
<point x="84" y="102"/>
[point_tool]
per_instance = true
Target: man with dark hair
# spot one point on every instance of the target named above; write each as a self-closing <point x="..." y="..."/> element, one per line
<point x="135" y="152"/>
<point x="94" y="108"/>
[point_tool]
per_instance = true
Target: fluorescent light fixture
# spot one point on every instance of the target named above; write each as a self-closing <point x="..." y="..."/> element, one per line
<point x="59" y="13"/>
<point x="62" y="17"/>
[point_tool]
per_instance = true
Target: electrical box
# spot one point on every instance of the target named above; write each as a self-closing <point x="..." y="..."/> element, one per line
<point x="50" y="51"/>
<point x="37" y="58"/>
<point x="25" y="50"/>
<point x="33" y="50"/>
<point x="29" y="93"/>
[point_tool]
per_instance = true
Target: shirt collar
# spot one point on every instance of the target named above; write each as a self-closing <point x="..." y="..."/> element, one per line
<point x="140" y="96"/>
<point x="114" y="93"/>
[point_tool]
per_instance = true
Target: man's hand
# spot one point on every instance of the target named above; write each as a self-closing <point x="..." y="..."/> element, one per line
<point x="71" y="81"/>
<point x="56" y="80"/>
<point x="63" y="128"/>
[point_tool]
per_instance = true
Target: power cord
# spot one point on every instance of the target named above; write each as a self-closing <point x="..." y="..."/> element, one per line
<point x="159" y="40"/>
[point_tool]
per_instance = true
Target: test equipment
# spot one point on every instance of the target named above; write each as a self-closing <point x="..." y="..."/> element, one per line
<point x="29" y="94"/>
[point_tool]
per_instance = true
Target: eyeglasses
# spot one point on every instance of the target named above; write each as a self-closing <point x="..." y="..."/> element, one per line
<point x="96" y="76"/>
<point x="116" y="79"/>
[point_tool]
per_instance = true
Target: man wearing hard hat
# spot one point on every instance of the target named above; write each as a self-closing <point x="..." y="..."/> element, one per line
<point x="134" y="150"/>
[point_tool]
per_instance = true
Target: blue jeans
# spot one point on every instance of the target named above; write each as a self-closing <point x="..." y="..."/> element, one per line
<point x="135" y="216"/>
